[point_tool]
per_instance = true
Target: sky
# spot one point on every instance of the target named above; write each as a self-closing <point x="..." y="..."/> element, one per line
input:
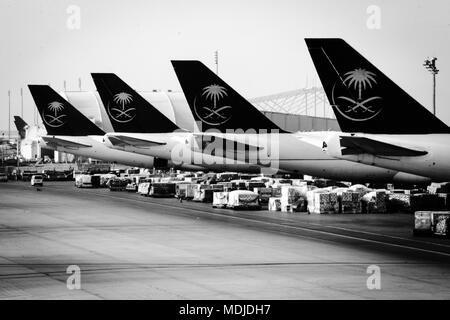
<point x="260" y="43"/>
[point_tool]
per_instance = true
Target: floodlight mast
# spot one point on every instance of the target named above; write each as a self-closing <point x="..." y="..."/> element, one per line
<point x="430" y="65"/>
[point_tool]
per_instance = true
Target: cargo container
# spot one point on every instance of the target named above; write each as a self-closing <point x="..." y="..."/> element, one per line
<point x="322" y="201"/>
<point x="118" y="184"/>
<point x="441" y="223"/>
<point x="374" y="202"/>
<point x="3" y="177"/>
<point x="274" y="204"/>
<point x="220" y="199"/>
<point x="432" y="223"/>
<point x="239" y="184"/>
<point x="191" y="189"/>
<point x="162" y="190"/>
<point x="83" y="181"/>
<point x="181" y="189"/>
<point x="264" y="194"/>
<point x="27" y="174"/>
<point x="104" y="178"/>
<point x="243" y="199"/>
<point x="95" y="180"/>
<point x="227" y="176"/>
<point x="205" y="192"/>
<point x="250" y="185"/>
<point x="422" y="223"/>
<point x="293" y="197"/>
<point x="144" y="188"/>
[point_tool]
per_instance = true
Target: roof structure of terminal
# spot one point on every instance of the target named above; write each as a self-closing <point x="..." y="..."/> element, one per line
<point x="308" y="101"/>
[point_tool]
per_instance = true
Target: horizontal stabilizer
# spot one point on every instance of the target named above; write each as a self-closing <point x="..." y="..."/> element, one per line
<point x="360" y="145"/>
<point x="124" y="141"/>
<point x="58" y="142"/>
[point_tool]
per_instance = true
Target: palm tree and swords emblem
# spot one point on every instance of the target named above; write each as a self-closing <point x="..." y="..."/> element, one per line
<point x="118" y="111"/>
<point x="53" y="118"/>
<point x="217" y="113"/>
<point x="359" y="108"/>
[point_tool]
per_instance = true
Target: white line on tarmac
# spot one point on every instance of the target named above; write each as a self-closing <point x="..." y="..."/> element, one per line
<point x="286" y="226"/>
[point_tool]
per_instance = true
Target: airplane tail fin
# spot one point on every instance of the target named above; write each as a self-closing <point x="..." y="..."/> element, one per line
<point x="128" y="110"/>
<point x="214" y="103"/>
<point x="21" y="126"/>
<point x="363" y="98"/>
<point x="60" y="118"/>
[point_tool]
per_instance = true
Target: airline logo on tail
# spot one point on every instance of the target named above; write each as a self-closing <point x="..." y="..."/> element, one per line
<point x="357" y="101"/>
<point x="53" y="114"/>
<point x="119" y="109"/>
<point x="211" y="105"/>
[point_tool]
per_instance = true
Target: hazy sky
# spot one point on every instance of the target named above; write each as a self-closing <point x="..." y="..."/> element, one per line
<point x="260" y="43"/>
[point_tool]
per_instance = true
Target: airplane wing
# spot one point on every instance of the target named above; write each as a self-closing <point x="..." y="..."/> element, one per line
<point x="58" y="142"/>
<point x="123" y="141"/>
<point x="359" y="145"/>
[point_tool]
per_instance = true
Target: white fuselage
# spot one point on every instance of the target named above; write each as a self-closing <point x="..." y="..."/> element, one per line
<point x="435" y="164"/>
<point x="297" y="152"/>
<point x="96" y="149"/>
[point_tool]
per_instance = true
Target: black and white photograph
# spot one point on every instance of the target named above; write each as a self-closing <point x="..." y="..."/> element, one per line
<point x="239" y="152"/>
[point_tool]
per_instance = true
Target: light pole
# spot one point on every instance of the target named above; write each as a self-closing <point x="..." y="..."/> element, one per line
<point x="21" y="102"/>
<point x="34" y="116"/>
<point x="18" y="153"/>
<point x="9" y="115"/>
<point x="430" y="65"/>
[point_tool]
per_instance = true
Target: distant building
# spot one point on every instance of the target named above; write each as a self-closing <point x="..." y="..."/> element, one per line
<point x="4" y="135"/>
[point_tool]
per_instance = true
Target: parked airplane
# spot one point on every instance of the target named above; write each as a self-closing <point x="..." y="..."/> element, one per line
<point x="300" y="152"/>
<point x="21" y="126"/>
<point x="68" y="130"/>
<point x="229" y="110"/>
<point x="141" y="128"/>
<point x="383" y="125"/>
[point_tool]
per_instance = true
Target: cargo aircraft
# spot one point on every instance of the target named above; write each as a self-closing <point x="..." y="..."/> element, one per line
<point x="382" y="125"/>
<point x="21" y="126"/>
<point x="233" y="134"/>
<point x="68" y="130"/>
<point x="141" y="128"/>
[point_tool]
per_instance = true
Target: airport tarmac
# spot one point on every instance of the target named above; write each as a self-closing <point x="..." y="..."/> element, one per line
<point x="132" y="247"/>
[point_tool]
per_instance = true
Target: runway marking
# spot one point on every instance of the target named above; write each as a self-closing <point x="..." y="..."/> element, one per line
<point x="87" y="268"/>
<point x="287" y="226"/>
<point x="203" y="213"/>
<point x="280" y="224"/>
<point x="384" y="235"/>
<point x="37" y="274"/>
